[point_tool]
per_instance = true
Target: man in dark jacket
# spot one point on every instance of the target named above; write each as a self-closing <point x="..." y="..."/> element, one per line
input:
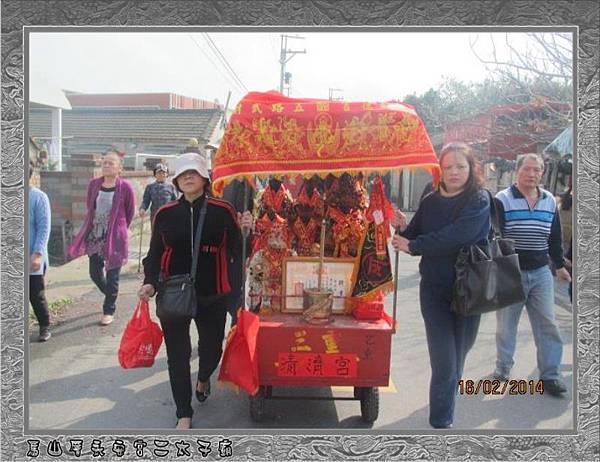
<point x="158" y="193"/>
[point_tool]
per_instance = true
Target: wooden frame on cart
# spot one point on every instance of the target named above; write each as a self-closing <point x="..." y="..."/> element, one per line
<point x="301" y="273"/>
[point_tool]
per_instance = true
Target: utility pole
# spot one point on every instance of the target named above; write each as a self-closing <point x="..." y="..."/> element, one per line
<point x="283" y="59"/>
<point x="224" y="121"/>
<point x="332" y="91"/>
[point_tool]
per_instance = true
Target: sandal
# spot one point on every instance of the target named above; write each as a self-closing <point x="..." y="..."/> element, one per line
<point x="202" y="395"/>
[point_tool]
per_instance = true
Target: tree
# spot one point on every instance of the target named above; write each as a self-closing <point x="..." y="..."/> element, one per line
<point x="456" y="100"/>
<point x="543" y="57"/>
<point x="539" y="67"/>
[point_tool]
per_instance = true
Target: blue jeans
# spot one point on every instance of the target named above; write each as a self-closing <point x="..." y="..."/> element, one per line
<point x="108" y="284"/>
<point x="449" y="339"/>
<point x="538" y="285"/>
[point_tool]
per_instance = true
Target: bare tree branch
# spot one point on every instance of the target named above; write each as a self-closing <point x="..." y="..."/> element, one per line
<point x="549" y="58"/>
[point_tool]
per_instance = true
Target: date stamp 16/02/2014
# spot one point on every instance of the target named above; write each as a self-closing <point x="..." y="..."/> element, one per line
<point x="501" y="387"/>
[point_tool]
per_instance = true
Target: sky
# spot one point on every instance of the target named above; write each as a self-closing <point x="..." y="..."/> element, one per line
<point x="363" y="66"/>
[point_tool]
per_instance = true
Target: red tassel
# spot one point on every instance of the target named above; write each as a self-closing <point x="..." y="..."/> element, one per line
<point x="223" y="273"/>
<point x="168" y="262"/>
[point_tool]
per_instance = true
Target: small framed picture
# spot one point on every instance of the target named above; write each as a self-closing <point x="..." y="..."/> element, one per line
<point x="301" y="273"/>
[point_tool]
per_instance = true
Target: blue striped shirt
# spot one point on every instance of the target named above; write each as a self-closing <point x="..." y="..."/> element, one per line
<point x="536" y="231"/>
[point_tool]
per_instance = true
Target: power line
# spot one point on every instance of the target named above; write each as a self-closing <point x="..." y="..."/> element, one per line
<point x="218" y="68"/>
<point x="220" y="55"/>
<point x="224" y="60"/>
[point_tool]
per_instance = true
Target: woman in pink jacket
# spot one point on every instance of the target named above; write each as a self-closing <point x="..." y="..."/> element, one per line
<point x="104" y="233"/>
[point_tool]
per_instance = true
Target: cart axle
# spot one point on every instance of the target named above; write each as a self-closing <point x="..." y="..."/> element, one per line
<point x="316" y="398"/>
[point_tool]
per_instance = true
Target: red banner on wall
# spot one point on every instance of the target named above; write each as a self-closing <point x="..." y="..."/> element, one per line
<point x="272" y="134"/>
<point x="317" y="365"/>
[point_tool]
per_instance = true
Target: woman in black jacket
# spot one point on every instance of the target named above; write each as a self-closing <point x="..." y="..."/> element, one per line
<point x="170" y="254"/>
<point x="457" y="214"/>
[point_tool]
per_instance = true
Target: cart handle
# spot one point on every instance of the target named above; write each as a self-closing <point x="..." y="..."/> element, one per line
<point x="396" y="264"/>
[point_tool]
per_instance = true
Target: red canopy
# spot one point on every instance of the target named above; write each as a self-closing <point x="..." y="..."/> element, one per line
<point x="272" y="134"/>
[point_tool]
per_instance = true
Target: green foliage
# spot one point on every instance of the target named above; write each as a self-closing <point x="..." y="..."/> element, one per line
<point x="54" y="306"/>
<point x="59" y="303"/>
<point x="456" y="100"/>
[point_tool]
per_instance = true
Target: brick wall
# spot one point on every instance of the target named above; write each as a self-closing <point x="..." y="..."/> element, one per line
<point x="161" y="100"/>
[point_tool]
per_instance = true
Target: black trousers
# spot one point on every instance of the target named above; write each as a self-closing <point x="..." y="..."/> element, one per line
<point x="449" y="339"/>
<point x="210" y="323"/>
<point x="107" y="283"/>
<point x="37" y="298"/>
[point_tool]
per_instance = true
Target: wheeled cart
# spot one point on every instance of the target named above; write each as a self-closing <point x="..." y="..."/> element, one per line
<point x="346" y="352"/>
<point x="341" y="145"/>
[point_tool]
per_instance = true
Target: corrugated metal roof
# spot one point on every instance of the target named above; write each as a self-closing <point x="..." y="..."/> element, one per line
<point x="172" y="125"/>
<point x="562" y="144"/>
<point x="116" y="124"/>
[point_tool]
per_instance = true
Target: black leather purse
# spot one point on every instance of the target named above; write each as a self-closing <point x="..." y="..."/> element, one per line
<point x="176" y="296"/>
<point x="488" y="277"/>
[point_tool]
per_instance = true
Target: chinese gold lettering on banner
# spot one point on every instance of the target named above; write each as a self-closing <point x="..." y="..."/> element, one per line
<point x="277" y="107"/>
<point x="298" y="108"/>
<point x="330" y="343"/>
<point x="322" y="106"/>
<point x="256" y="109"/>
<point x="300" y="341"/>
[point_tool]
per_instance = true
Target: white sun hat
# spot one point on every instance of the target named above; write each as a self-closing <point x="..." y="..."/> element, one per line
<point x="190" y="161"/>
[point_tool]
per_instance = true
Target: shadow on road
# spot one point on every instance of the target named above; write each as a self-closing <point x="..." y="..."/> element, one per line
<point x="112" y="398"/>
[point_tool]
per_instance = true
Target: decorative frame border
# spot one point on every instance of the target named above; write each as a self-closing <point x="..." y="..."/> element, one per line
<point x="581" y="444"/>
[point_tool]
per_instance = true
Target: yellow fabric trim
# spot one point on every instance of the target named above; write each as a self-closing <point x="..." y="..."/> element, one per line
<point x="386" y="288"/>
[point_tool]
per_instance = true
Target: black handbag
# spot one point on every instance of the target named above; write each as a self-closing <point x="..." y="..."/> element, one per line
<point x="488" y="277"/>
<point x="176" y="296"/>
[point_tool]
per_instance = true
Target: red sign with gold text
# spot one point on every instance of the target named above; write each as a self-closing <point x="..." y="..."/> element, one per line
<point x="317" y="365"/>
<point x="272" y="134"/>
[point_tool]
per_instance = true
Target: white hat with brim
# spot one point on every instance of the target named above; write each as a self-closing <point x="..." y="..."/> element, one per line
<point x="190" y="161"/>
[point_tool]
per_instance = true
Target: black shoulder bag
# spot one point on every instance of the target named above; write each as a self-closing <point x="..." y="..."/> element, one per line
<point x="488" y="277"/>
<point x="176" y="297"/>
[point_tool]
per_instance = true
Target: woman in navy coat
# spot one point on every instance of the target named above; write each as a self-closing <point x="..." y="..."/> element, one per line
<point x="455" y="215"/>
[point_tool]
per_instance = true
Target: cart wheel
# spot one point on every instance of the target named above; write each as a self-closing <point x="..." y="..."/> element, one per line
<point x="369" y="404"/>
<point x="257" y="405"/>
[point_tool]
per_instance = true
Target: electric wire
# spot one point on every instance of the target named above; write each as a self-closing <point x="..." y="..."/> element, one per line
<point x="220" y="55"/>
<point x="218" y="68"/>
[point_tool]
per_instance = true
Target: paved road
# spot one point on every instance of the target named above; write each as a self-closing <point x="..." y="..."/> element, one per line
<point x="76" y="382"/>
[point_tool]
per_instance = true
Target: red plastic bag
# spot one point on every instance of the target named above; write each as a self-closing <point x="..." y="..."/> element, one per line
<point x="369" y="311"/>
<point x="240" y="363"/>
<point x="141" y="339"/>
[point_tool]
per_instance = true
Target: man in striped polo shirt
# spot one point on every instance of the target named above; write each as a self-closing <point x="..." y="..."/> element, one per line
<point x="529" y="216"/>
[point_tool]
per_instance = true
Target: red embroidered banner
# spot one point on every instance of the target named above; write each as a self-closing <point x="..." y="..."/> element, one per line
<point x="272" y="134"/>
<point x="317" y="365"/>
